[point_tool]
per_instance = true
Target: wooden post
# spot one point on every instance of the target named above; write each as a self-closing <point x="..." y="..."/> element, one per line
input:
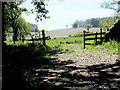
<point x="101" y="36"/>
<point x="84" y="38"/>
<point x="96" y="38"/>
<point x="43" y="37"/>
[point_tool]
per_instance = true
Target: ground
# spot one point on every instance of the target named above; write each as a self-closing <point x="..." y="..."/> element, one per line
<point x="74" y="68"/>
<point x="81" y="70"/>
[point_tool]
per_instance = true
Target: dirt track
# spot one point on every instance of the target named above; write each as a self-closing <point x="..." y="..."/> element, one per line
<point x="83" y="70"/>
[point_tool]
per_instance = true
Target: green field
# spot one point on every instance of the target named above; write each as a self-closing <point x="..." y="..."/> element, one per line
<point x="61" y="43"/>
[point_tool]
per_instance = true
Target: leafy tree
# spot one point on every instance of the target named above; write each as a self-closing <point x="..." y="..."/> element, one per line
<point x="34" y="28"/>
<point x="12" y="11"/>
<point x="111" y="4"/>
<point x="39" y="7"/>
<point x="95" y="22"/>
<point x="24" y="28"/>
<point x="109" y="22"/>
<point x="81" y="23"/>
<point x="88" y="26"/>
<point x="11" y="14"/>
<point x="74" y="25"/>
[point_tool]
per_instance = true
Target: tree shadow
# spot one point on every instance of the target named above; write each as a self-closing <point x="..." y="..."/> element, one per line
<point x="17" y="60"/>
<point x="28" y="68"/>
<point x="63" y="75"/>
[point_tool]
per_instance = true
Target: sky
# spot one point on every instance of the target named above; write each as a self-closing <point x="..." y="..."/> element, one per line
<point x="67" y="12"/>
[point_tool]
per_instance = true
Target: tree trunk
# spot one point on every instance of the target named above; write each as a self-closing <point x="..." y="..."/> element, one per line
<point x="15" y="33"/>
<point x="20" y="36"/>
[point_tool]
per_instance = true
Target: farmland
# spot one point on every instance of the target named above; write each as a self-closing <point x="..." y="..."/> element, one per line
<point x="64" y="63"/>
<point x="69" y="31"/>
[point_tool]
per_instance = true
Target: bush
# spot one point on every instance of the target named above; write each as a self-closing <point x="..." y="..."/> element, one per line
<point x="79" y="34"/>
<point x="70" y="35"/>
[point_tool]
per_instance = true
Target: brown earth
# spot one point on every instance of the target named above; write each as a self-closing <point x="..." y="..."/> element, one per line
<point x="82" y="70"/>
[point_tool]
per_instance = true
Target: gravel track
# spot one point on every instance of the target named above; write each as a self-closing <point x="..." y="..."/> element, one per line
<point x="83" y="70"/>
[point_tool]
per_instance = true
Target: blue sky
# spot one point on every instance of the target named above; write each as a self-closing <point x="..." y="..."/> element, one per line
<point x="66" y="12"/>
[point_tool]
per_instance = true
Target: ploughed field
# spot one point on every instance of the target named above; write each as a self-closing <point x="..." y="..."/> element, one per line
<point x="69" y="31"/>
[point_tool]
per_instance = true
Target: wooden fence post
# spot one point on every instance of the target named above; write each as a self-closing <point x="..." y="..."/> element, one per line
<point x="101" y="36"/>
<point x="43" y="37"/>
<point x="96" y="38"/>
<point x="84" y="38"/>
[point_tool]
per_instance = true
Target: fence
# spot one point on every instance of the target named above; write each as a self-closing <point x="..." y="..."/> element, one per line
<point x="94" y="38"/>
<point x="37" y="37"/>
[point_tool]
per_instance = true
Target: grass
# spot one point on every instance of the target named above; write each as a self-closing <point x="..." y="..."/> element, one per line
<point x="112" y="46"/>
<point x="55" y="42"/>
<point x="36" y="54"/>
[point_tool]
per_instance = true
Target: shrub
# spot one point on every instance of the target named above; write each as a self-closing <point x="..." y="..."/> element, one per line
<point x="70" y="35"/>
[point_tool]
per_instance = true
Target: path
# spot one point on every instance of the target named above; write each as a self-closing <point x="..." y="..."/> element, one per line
<point x="81" y="70"/>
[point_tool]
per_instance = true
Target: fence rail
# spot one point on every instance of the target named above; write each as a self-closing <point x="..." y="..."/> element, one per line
<point x="36" y="37"/>
<point x="94" y="38"/>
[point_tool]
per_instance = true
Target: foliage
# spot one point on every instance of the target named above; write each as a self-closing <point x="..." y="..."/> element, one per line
<point x="40" y="10"/>
<point x="34" y="28"/>
<point x="21" y="57"/>
<point x="79" y="34"/>
<point x="11" y="14"/>
<point x="24" y="28"/>
<point x="12" y="11"/>
<point x="93" y="21"/>
<point x="9" y="30"/>
<point x="111" y="4"/>
<point x="109" y="22"/>
<point x="88" y="26"/>
<point x="105" y="22"/>
<point x="75" y="25"/>
<point x="69" y="35"/>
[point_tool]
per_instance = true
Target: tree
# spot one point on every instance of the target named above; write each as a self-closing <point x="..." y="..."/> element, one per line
<point x="24" y="28"/>
<point x="88" y="26"/>
<point x="34" y="28"/>
<point x="109" y="22"/>
<point x="39" y="7"/>
<point x="11" y="14"/>
<point x="111" y="4"/>
<point x="81" y="23"/>
<point x="95" y="22"/>
<point x="74" y="25"/>
<point x="12" y="11"/>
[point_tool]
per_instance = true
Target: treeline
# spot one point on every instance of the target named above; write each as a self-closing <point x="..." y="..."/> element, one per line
<point x="105" y="22"/>
<point x="34" y="28"/>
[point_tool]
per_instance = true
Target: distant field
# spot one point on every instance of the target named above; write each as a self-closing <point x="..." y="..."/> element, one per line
<point x="66" y="32"/>
<point x="62" y="32"/>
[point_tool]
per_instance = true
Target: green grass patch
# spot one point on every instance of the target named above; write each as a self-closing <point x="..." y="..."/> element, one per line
<point x="56" y="42"/>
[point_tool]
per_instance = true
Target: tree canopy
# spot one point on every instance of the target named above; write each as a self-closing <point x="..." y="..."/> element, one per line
<point x="12" y="11"/>
<point x="111" y="4"/>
